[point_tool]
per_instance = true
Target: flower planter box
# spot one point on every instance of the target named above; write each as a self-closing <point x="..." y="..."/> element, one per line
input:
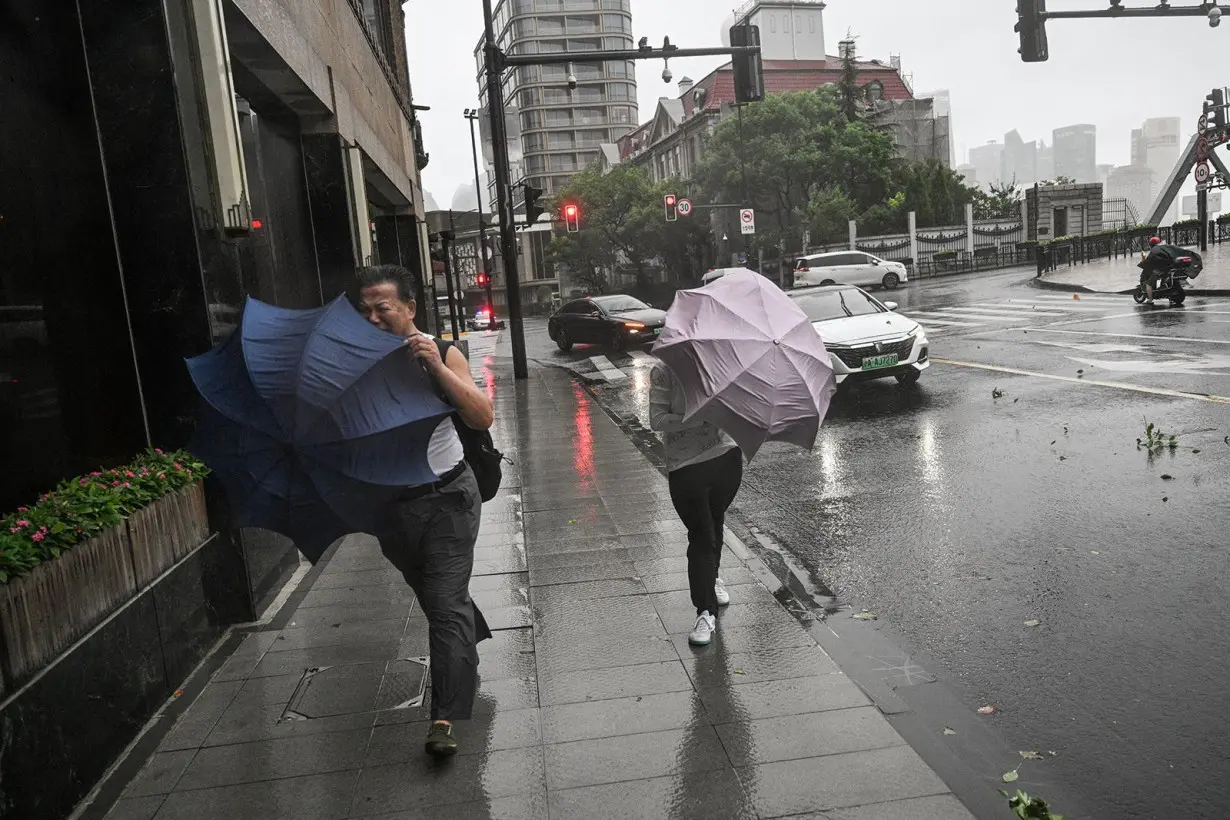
<point x="42" y="613"/>
<point x="166" y="531"/>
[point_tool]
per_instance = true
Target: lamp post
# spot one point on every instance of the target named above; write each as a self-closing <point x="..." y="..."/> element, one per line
<point x="472" y="115"/>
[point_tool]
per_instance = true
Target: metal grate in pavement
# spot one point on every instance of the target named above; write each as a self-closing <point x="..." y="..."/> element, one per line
<point x="356" y="688"/>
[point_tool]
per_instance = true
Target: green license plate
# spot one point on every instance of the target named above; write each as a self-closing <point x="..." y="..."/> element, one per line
<point x="877" y="362"/>
<point x="657" y="331"/>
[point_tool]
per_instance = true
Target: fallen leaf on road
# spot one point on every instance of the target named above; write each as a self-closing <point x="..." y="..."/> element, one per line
<point x="1063" y="458"/>
<point x="1033" y="622"/>
<point x="1164" y="499"/>
<point x="1011" y="777"/>
<point x="986" y="710"/>
<point x="865" y="616"/>
<point x="1030" y="755"/>
<point x="179" y="693"/>
<point x="1053" y="442"/>
<point x="1094" y="552"/>
<point x="1053" y="754"/>
<point x="572" y="521"/>
<point x="1014" y="401"/>
<point x="1076" y="296"/>
<point x="996" y="393"/>
<point x="1167" y="477"/>
<point x="1195" y="452"/>
<point x="740" y="672"/>
<point x="949" y="731"/>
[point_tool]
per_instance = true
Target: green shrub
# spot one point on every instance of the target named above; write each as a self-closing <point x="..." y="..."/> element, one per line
<point x="81" y="508"/>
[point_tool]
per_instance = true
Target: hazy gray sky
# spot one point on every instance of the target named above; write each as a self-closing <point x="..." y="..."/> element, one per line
<point x="1113" y="74"/>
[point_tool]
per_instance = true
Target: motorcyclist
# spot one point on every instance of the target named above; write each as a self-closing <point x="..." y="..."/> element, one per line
<point x="1159" y="259"/>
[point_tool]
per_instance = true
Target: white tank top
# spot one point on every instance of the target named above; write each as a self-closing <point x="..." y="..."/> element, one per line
<point x="444" y="448"/>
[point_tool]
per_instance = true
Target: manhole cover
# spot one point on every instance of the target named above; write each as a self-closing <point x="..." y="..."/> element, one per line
<point x="359" y="687"/>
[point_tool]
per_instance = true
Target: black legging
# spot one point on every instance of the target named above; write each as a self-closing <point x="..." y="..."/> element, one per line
<point x="701" y="494"/>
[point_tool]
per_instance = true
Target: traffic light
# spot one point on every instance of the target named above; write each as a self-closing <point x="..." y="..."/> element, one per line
<point x="532" y="209"/>
<point x="1215" y="109"/>
<point x="482" y="280"/>
<point x="749" y="67"/>
<point x="672" y="208"/>
<point x="572" y="218"/>
<point x="1031" y="25"/>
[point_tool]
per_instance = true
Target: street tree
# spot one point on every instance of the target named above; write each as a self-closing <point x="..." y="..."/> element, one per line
<point x="619" y="223"/>
<point x="1002" y="201"/>
<point x="793" y="146"/>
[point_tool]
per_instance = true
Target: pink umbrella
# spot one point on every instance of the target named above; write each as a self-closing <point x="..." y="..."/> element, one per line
<point x="749" y="361"/>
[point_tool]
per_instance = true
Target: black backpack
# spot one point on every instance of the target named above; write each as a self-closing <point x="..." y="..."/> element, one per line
<point x="480" y="452"/>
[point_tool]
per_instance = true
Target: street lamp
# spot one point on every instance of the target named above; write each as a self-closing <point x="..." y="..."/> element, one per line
<point x="472" y="114"/>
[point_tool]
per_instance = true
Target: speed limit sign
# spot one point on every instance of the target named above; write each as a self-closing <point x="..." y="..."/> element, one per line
<point x="1202" y="173"/>
<point x="684" y="207"/>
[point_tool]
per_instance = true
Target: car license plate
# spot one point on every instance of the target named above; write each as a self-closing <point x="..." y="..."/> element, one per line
<point x="657" y="331"/>
<point x="877" y="362"/>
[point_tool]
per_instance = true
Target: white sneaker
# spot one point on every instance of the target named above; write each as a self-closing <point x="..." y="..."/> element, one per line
<point x="702" y="633"/>
<point x="723" y="597"/>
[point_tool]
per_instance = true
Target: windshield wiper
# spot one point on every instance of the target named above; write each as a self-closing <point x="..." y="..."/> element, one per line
<point x="842" y="297"/>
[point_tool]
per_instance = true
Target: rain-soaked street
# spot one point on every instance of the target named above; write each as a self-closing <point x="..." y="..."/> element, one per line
<point x="1011" y="537"/>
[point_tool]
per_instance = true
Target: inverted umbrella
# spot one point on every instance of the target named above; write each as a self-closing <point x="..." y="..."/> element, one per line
<point x="749" y="361"/>
<point x="313" y="420"/>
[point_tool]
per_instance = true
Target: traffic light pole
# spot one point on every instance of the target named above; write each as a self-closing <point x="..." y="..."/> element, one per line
<point x="508" y="230"/>
<point x="495" y="63"/>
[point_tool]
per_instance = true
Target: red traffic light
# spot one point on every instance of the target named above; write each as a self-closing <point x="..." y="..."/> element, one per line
<point x="670" y="199"/>
<point x="257" y="224"/>
<point x="571" y="210"/>
<point x="572" y="218"/>
<point x="482" y="280"/>
<point x="672" y="207"/>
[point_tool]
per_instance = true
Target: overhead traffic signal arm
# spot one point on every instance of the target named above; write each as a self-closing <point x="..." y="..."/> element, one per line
<point x="1032" y="18"/>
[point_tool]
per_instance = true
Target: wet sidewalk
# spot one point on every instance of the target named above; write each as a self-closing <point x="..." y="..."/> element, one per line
<point x="591" y="704"/>
<point x="1121" y="275"/>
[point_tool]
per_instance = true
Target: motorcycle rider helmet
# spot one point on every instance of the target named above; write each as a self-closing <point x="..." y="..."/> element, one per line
<point x="1155" y="241"/>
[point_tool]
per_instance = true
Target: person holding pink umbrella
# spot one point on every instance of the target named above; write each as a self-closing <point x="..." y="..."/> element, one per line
<point x="704" y="471"/>
<point x="740" y="365"/>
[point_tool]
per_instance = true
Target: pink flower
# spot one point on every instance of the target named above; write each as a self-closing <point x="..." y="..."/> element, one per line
<point x="129" y="474"/>
<point x="22" y="509"/>
<point x="115" y="483"/>
<point x="162" y="475"/>
<point x="84" y="482"/>
<point x="126" y="484"/>
<point x="38" y="536"/>
<point x="14" y="529"/>
<point x="156" y="450"/>
<point x="22" y="524"/>
<point x="95" y="474"/>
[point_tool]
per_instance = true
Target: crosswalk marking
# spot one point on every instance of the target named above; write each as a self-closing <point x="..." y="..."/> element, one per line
<point x="990" y="317"/>
<point x="1047" y="306"/>
<point x="641" y="357"/>
<point x="608" y="371"/>
<point x="1083" y="298"/>
<point x="948" y="322"/>
<point x="1005" y="310"/>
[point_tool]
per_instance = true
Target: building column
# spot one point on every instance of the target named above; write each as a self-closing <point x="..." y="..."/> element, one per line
<point x="913" y="217"/>
<point x="397" y="243"/>
<point x="853" y="235"/>
<point x="333" y="226"/>
<point x="969" y="228"/>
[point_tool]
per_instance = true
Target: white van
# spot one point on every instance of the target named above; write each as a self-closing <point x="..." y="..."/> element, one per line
<point x="848" y="268"/>
<point x="714" y="275"/>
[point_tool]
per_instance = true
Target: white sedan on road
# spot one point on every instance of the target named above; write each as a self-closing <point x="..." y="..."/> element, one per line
<point x="865" y="338"/>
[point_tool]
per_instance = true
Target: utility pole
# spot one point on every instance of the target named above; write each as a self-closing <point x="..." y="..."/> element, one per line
<point x="747" y="63"/>
<point x="1032" y="17"/>
<point x="485" y="252"/>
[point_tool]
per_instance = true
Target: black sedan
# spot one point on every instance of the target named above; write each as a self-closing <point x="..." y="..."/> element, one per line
<point x="614" y="321"/>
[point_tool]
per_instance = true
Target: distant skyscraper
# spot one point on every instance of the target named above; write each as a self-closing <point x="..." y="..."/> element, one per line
<point x="988" y="163"/>
<point x="1138" y="146"/>
<point x="562" y="129"/>
<point x="1046" y="161"/>
<point x="1020" y="160"/>
<point x="1076" y="152"/>
<point x="1160" y="147"/>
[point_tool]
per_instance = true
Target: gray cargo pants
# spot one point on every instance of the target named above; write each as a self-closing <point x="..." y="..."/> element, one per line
<point x="430" y="539"/>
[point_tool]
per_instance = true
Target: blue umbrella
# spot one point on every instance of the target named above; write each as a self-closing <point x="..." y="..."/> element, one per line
<point x="313" y="420"/>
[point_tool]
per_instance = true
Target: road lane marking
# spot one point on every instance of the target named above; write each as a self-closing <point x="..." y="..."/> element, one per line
<point x="1154" y="391"/>
<point x="607" y="370"/>
<point x="1084" y="297"/>
<point x="1125" y="335"/>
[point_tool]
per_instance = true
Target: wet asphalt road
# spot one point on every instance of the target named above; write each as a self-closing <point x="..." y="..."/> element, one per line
<point x="956" y="516"/>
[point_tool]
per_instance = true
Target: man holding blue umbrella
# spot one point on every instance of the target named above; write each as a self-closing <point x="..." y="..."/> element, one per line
<point x="430" y="529"/>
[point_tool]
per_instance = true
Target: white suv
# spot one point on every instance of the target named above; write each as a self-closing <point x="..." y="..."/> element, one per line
<point x="848" y="268"/>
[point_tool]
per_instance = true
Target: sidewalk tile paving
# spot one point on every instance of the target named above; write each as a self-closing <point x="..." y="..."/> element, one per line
<point x="591" y="702"/>
<point x="1121" y="275"/>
